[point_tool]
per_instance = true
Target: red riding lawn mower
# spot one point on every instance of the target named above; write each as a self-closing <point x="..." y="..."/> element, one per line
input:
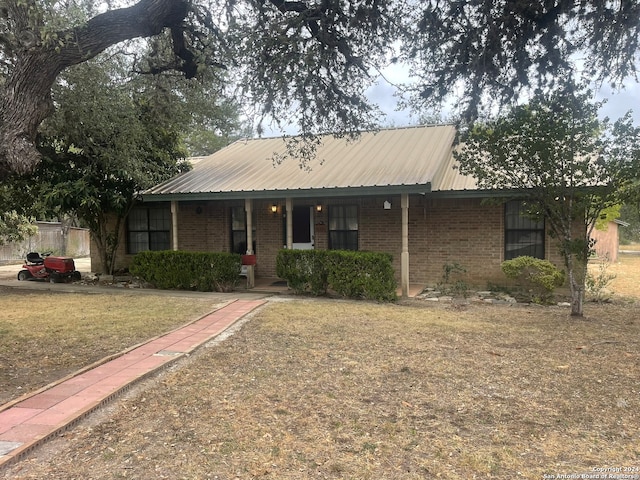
<point x="55" y="269"/>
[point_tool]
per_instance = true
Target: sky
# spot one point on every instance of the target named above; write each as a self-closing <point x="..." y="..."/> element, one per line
<point x="618" y="102"/>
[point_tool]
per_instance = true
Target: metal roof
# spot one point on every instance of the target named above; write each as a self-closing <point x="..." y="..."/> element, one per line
<point x="411" y="159"/>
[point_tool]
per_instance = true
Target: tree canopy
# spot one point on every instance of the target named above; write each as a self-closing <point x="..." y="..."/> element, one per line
<point x="112" y="136"/>
<point x="567" y="164"/>
<point x="311" y="61"/>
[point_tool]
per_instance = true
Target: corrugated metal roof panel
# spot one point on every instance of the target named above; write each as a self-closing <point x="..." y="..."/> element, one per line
<point x="393" y="157"/>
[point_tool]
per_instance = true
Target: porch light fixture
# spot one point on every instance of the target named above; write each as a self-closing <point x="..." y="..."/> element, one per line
<point x="386" y="205"/>
<point x="274" y="208"/>
<point x="318" y="208"/>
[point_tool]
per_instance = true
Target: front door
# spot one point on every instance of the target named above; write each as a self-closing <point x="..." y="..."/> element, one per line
<point x="303" y="234"/>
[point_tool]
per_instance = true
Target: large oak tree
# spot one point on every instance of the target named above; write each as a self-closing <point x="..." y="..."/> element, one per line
<point x="313" y="59"/>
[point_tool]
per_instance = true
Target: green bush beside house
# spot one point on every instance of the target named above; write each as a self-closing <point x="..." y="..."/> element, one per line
<point x="205" y="272"/>
<point x="366" y="275"/>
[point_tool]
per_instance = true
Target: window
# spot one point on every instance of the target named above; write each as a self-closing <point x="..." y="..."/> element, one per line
<point x="343" y="227"/>
<point x="239" y="231"/>
<point x="148" y="229"/>
<point x="523" y="235"/>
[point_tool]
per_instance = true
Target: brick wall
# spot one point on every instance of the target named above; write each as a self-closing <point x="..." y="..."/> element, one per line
<point x="441" y="231"/>
<point x="205" y="226"/>
<point x="269" y="235"/>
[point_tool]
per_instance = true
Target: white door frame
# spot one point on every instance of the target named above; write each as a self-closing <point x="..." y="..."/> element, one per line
<point x="299" y="246"/>
<point x="306" y="245"/>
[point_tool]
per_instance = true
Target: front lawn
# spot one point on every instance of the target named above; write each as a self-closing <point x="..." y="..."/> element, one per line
<point x="341" y="389"/>
<point x="46" y="335"/>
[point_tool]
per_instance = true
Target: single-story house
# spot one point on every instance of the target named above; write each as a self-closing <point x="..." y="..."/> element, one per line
<point x="394" y="190"/>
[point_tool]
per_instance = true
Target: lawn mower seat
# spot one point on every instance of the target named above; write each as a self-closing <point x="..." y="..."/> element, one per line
<point x="35" y="258"/>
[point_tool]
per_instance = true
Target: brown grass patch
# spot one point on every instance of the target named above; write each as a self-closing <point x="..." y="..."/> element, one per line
<point x="632" y="246"/>
<point x="627" y="271"/>
<point x="45" y="335"/>
<point x="336" y="389"/>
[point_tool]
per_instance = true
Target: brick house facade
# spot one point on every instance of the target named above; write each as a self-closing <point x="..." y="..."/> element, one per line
<point x="425" y="222"/>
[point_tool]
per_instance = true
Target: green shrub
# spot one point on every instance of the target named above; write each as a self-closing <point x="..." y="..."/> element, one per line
<point x="205" y="272"/>
<point x="304" y="270"/>
<point x="538" y="278"/>
<point x="365" y="275"/>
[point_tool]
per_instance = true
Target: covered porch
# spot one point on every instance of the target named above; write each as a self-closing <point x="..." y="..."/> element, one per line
<point x="259" y="228"/>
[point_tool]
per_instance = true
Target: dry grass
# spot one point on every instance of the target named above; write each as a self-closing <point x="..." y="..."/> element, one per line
<point x="333" y="389"/>
<point x="45" y="336"/>
<point x="337" y="389"/>
<point x="626" y="283"/>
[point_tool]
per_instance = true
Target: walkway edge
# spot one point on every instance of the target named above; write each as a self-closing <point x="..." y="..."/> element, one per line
<point x="177" y="336"/>
<point x="103" y="360"/>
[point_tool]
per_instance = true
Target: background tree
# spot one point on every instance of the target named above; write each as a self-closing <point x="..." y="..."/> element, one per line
<point x="630" y="213"/>
<point x="485" y="54"/>
<point x="564" y="162"/>
<point x="15" y="227"/>
<point x="311" y="62"/>
<point x="110" y="138"/>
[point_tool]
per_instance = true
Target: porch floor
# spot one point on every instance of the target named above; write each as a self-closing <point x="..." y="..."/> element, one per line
<point x="279" y="286"/>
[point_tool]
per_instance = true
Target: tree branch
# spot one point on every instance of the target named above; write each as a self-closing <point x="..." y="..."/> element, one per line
<point x="25" y="99"/>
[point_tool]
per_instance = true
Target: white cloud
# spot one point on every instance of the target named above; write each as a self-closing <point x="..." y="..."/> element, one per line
<point x="621" y="101"/>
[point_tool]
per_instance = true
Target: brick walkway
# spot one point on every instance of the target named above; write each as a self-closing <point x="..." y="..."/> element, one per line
<point x="27" y="423"/>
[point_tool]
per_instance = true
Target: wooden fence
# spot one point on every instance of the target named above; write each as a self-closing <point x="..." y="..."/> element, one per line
<point x="51" y="237"/>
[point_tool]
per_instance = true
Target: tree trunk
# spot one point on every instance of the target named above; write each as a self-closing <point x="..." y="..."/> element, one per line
<point x="25" y="97"/>
<point x="577" y="273"/>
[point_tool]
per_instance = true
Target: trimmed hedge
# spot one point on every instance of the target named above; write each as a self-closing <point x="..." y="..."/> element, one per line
<point x="205" y="272"/>
<point x="367" y="275"/>
<point x="304" y="270"/>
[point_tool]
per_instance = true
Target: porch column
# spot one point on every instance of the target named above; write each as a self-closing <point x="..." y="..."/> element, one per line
<point x="251" y="275"/>
<point x="289" y="207"/>
<point x="404" y="258"/>
<point x="174" y="225"/>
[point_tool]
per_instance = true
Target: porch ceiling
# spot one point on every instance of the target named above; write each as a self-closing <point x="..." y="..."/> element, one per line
<point x="393" y="161"/>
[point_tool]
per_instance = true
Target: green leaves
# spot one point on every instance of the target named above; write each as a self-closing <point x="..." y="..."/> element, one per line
<point x="567" y="163"/>
<point x="15" y="227"/>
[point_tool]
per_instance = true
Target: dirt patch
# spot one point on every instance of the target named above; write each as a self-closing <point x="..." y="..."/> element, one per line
<point x="337" y="389"/>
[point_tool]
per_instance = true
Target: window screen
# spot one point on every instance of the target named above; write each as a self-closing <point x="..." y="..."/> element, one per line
<point x="523" y="235"/>
<point x="343" y="227"/>
<point x="148" y="229"/>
